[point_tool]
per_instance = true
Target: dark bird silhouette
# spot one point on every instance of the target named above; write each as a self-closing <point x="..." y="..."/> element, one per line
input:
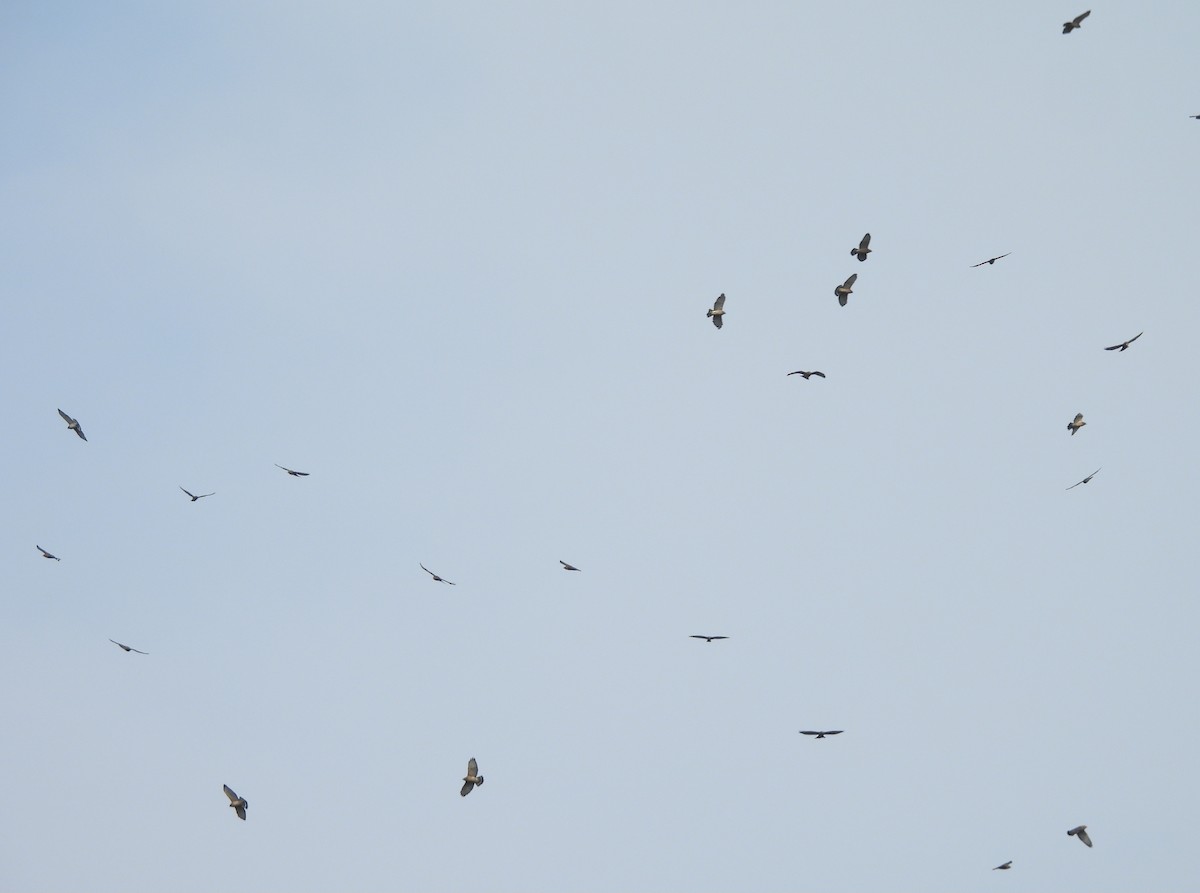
<point x="1076" y="22"/>
<point x="194" y="497"/>
<point x="295" y="474"/>
<point x="807" y="375"/>
<point x="1077" y="424"/>
<point x="990" y="260"/>
<point x="126" y="648"/>
<point x="46" y="554"/>
<point x="1124" y="345"/>
<point x="709" y="638"/>
<point x="472" y="777"/>
<point x="844" y="290"/>
<point x="1085" y="480"/>
<point x="863" y="248"/>
<point x="1005" y="867"/>
<point x="239" y="804"/>
<point x="72" y="424"/>
<point x="436" y="578"/>
<point x="1080" y="831"/>
<point x="822" y="734"/>
<point x="567" y="567"/>
<point x="718" y="311"/>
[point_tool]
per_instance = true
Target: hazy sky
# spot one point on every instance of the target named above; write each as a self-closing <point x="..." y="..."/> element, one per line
<point x="454" y="261"/>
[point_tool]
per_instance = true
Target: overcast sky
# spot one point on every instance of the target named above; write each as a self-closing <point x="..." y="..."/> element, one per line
<point x="454" y="261"/>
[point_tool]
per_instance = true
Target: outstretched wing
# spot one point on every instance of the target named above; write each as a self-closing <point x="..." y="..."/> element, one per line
<point x="849" y="282"/>
<point x="838" y="732"/>
<point x="66" y="418"/>
<point x="241" y="812"/>
<point x="866" y="241"/>
<point x="229" y="793"/>
<point x="1078" y="417"/>
<point x="1077" y="21"/>
<point x="1135" y="337"/>
<point x="427" y="570"/>
<point x="718" y="321"/>
<point x="188" y="493"/>
<point x="472" y="768"/>
<point x="568" y="567"/>
<point x="811" y="733"/>
<point x="819" y="374"/>
<point x="466" y="788"/>
<point x="719" y="303"/>
<point x="1083" y="835"/>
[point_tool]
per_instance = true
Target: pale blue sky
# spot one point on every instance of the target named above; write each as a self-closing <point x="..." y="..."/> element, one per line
<point x="454" y="261"/>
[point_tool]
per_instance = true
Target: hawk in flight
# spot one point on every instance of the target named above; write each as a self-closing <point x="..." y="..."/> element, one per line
<point x="472" y="777"/>
<point x="239" y="804"/>
<point x="718" y="311"/>
<point x="72" y="424"/>
<point x="863" y="248"/>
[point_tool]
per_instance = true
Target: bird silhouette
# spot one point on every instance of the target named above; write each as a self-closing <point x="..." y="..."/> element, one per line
<point x="1076" y="22"/>
<point x="436" y="578"/>
<point x="1077" y="424"/>
<point x="46" y="554"/>
<point x="1005" y="867"/>
<point x="822" y="734"/>
<point x="1085" y="480"/>
<point x="1080" y="831"/>
<point x="1124" y="345"/>
<point x="990" y="260"/>
<point x="472" y="777"/>
<point x="862" y="250"/>
<point x="807" y="375"/>
<point x="72" y="424"/>
<point x="844" y="290"/>
<point x="295" y="474"/>
<point x="718" y="311"/>
<point x="126" y="648"/>
<point x="239" y="804"/>
<point x="568" y="567"/>
<point x="709" y="638"/>
<point x="194" y="497"/>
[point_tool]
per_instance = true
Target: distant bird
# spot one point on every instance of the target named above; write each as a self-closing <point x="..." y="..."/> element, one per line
<point x="1005" y="867"/>
<point x="844" y="290"/>
<point x="194" y="497"/>
<point x="807" y="375"/>
<point x="1194" y="116"/>
<point x="1124" y="345"/>
<point x="822" y="734"/>
<point x="46" y="554"/>
<point x="436" y="578"/>
<point x="1080" y="831"/>
<point x="1077" y="424"/>
<point x="862" y="250"/>
<point x="990" y="260"/>
<point x="1085" y="480"/>
<point x="295" y="474"/>
<point x="568" y="567"/>
<point x="126" y="648"/>
<point x="1076" y="22"/>
<point x="239" y="804"/>
<point x="472" y="777"/>
<point x="709" y="638"/>
<point x="718" y="310"/>
<point x="72" y="424"/>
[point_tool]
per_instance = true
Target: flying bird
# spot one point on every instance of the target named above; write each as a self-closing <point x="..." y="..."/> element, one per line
<point x="194" y="497"/>
<point x="1124" y="345"/>
<point x="436" y="578"/>
<point x="472" y="777"/>
<point x="126" y="648"/>
<point x="862" y="250"/>
<point x="1077" y="424"/>
<point x="844" y="290"/>
<point x="718" y="310"/>
<point x="295" y="474"/>
<point x="1005" y="867"/>
<point x="1076" y="22"/>
<point x="990" y="260"/>
<point x="1085" y="480"/>
<point x="568" y="567"/>
<point x="807" y="375"/>
<point x="1080" y="831"/>
<point x="239" y="804"/>
<point x="822" y="734"/>
<point x="46" y="554"/>
<point x="709" y="638"/>
<point x="72" y="424"/>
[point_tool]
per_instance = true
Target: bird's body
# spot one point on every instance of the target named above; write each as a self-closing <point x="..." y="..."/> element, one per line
<point x="718" y="310"/>
<point x="46" y="554"/>
<point x="73" y="425"/>
<point x="1076" y="22"/>
<point x="567" y="567"/>
<point x="808" y="375"/>
<point x="1080" y="831"/>
<point x="436" y="578"/>
<point x="709" y="638"/>
<point x="1124" y="345"/>
<point x="1077" y="424"/>
<point x="846" y="289"/>
<point x="990" y="260"/>
<point x="472" y="778"/>
<point x="295" y="474"/>
<point x="1085" y="480"/>
<point x="822" y="734"/>
<point x="194" y="497"/>
<point x="238" y="804"/>
<point x="1005" y="867"/>
<point x="863" y="248"/>
<point x="126" y="648"/>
